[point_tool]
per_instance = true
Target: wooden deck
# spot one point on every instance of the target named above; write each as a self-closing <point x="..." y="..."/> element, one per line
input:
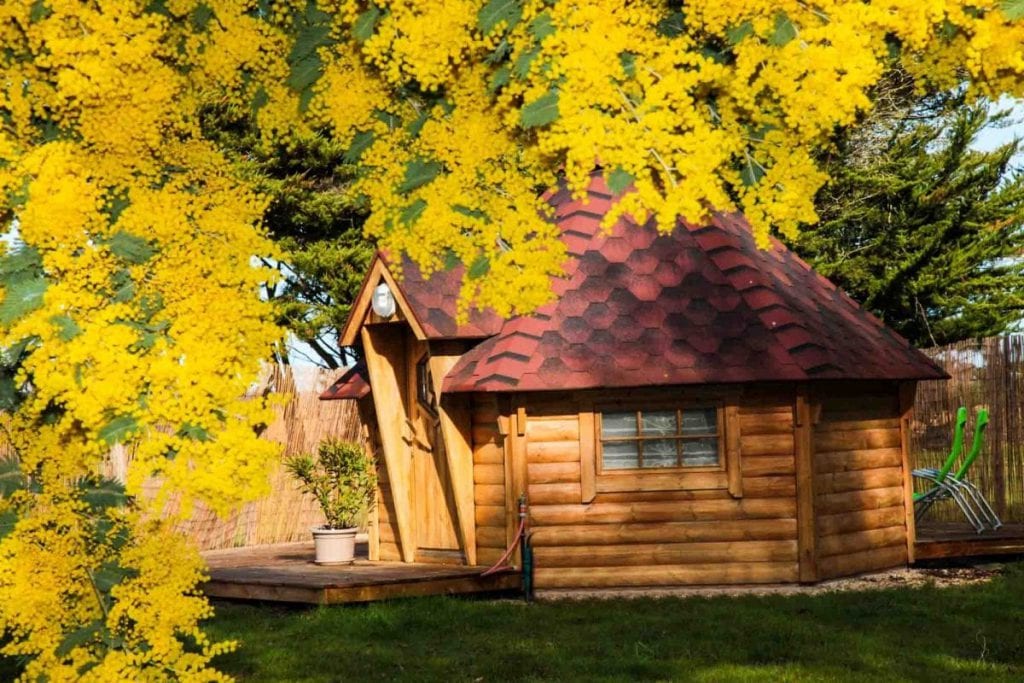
<point x="286" y="573"/>
<point x="946" y="540"/>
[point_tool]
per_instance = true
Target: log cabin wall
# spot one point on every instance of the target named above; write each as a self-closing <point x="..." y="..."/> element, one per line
<point x="387" y="530"/>
<point x="488" y="481"/>
<point x="645" y="538"/>
<point x="861" y="514"/>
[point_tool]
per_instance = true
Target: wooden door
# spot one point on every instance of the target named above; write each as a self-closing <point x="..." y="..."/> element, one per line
<point x="433" y="498"/>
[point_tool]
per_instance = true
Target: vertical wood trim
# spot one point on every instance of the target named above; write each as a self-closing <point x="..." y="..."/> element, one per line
<point x="804" y="459"/>
<point x="456" y="432"/>
<point x="373" y="542"/>
<point x="733" y="463"/>
<point x="507" y="429"/>
<point x="908" y="390"/>
<point x="383" y="348"/>
<point x="516" y="477"/>
<point x="588" y="453"/>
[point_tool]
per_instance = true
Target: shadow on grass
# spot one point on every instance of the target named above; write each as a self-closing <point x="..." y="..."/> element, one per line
<point x="960" y="633"/>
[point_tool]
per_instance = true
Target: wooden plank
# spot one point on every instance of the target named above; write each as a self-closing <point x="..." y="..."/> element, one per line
<point x="780" y="422"/>
<point x="859" y="480"/>
<point x="859" y="541"/>
<point x="649" y="481"/>
<point x="766" y="444"/>
<point x="865" y="561"/>
<point x="490" y="515"/>
<point x="456" y="420"/>
<point x="491" y="537"/>
<point x="487" y="433"/>
<point x="489" y="474"/>
<point x="907" y="392"/>
<point x="666" y="575"/>
<point x="767" y="466"/>
<point x="384" y="352"/>
<point x="552" y="451"/>
<point x="643" y="554"/>
<point x="733" y="448"/>
<point x="553" y="472"/>
<point x="488" y="454"/>
<point x="588" y="454"/>
<point x="770" y="487"/>
<point x="675" y="511"/>
<point x="803" y="440"/>
<point x="518" y="480"/>
<point x="840" y="425"/>
<point x="489" y="494"/>
<point x="845" y="522"/>
<point x="858" y="501"/>
<point x="828" y="442"/>
<point x="865" y="459"/>
<point x="666" y="532"/>
<point x="542" y="494"/>
<point x="553" y="429"/>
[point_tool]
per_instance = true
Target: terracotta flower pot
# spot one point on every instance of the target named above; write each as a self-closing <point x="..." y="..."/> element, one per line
<point x="335" y="546"/>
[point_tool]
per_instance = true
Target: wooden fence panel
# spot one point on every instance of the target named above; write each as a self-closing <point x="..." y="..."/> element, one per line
<point x="985" y="374"/>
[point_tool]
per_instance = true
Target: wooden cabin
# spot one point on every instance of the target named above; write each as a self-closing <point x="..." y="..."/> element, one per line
<point x="690" y="410"/>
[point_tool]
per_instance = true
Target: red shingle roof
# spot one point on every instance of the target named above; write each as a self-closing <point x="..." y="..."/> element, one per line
<point x="433" y="301"/>
<point x="702" y="305"/>
<point x="353" y="384"/>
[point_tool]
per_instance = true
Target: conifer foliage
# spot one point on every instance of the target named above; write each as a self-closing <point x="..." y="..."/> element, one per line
<point x="927" y="231"/>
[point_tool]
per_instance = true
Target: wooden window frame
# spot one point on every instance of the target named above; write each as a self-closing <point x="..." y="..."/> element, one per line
<point x="726" y="475"/>
<point x="425" y="396"/>
<point x="647" y="407"/>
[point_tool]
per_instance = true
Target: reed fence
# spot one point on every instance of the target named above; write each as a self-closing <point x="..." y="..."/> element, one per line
<point x="989" y="374"/>
<point x="285" y="514"/>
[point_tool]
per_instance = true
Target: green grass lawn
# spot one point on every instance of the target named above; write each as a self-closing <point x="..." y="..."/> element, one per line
<point x="951" y="634"/>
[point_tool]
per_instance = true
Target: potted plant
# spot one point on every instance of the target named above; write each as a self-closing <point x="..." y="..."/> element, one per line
<point x="343" y="479"/>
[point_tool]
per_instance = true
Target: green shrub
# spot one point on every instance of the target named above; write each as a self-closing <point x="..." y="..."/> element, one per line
<point x="342" y="478"/>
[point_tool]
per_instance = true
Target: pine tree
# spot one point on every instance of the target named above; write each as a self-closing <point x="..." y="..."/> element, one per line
<point x="923" y="229"/>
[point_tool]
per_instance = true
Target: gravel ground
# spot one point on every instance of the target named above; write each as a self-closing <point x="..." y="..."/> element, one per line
<point x="893" y="578"/>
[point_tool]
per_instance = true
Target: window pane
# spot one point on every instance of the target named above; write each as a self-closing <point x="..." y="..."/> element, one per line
<point x="660" y="453"/>
<point x="619" y="455"/>
<point x="618" y="424"/>
<point x="658" y="422"/>
<point x="700" y="452"/>
<point x="700" y="421"/>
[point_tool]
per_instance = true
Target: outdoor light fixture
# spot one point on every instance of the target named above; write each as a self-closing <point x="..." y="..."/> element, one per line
<point x="383" y="301"/>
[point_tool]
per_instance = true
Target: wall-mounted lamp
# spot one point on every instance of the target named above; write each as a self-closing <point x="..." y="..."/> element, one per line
<point x="383" y="301"/>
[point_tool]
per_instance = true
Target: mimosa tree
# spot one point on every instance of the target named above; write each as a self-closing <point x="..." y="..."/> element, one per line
<point x="131" y="308"/>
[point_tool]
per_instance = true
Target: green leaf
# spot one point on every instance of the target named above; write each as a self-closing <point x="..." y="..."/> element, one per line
<point x="119" y="430"/>
<point x="20" y="265"/>
<point x="109" y="575"/>
<point x="542" y="27"/>
<point x="524" y="61"/>
<point x="39" y="11"/>
<point x="124" y="286"/>
<point x="541" y="111"/>
<point x="416" y="125"/>
<point x="751" y="171"/>
<point x="471" y="213"/>
<point x="499" y="79"/>
<point x="103" y="493"/>
<point x="194" y="432"/>
<point x="619" y="180"/>
<point x="735" y="34"/>
<point x="131" y="248"/>
<point x="674" y="25"/>
<point x="479" y="268"/>
<point x="10" y="397"/>
<point x="79" y="637"/>
<point x="22" y="298"/>
<point x="305" y="72"/>
<point x="69" y="329"/>
<point x="497" y="11"/>
<point x="115" y="207"/>
<point x="418" y="173"/>
<point x="364" y="24"/>
<point x="360" y="143"/>
<point x="628" y="61"/>
<point x="201" y="17"/>
<point x="11" y="477"/>
<point x="259" y="100"/>
<point x="785" y="30"/>
<point x="392" y="121"/>
<point x="451" y="260"/>
<point x="412" y="213"/>
<point x="8" y="519"/>
<point x="1013" y="9"/>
